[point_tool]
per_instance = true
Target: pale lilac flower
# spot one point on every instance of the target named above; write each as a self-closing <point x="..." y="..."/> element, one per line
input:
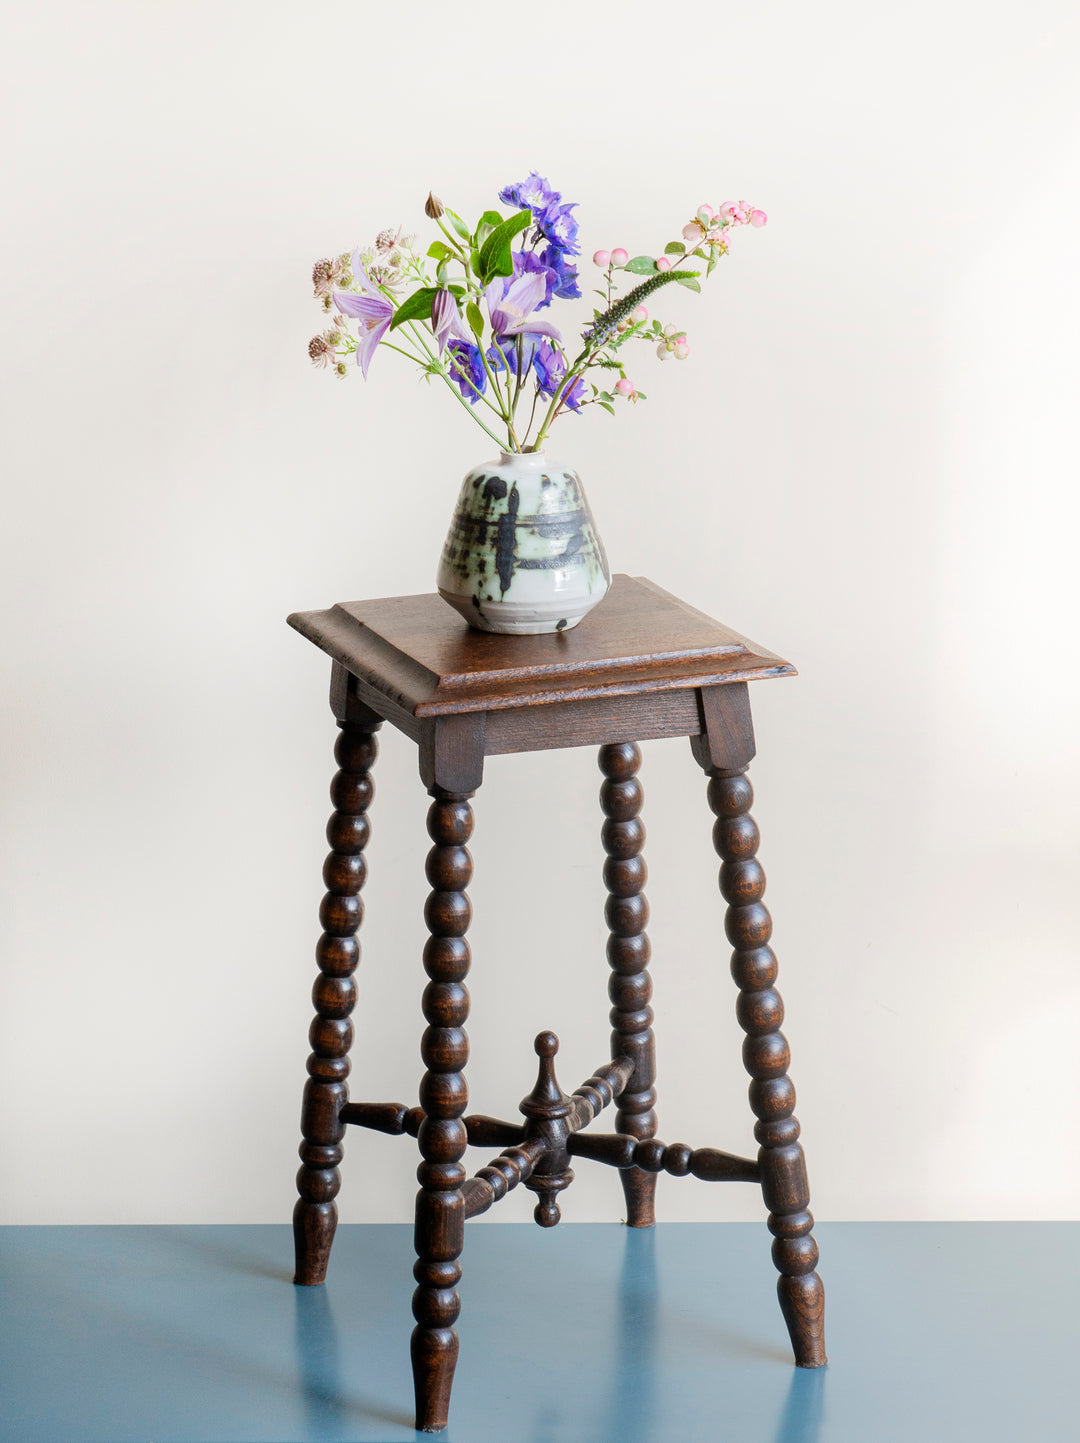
<point x="372" y="310"/>
<point x="445" y="320"/>
<point x="511" y="306"/>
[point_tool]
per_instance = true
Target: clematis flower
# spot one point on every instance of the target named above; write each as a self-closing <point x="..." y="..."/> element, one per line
<point x="445" y="320"/>
<point x="511" y="304"/>
<point x="374" y="312"/>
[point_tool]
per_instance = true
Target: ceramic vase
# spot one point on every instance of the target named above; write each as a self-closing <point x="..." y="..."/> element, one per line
<point x="522" y="555"/>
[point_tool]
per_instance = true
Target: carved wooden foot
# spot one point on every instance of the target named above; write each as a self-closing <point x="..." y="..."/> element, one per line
<point x="440" y="1211"/>
<point x="766" y="1057"/>
<point x="630" y="986"/>
<point x="334" y="994"/>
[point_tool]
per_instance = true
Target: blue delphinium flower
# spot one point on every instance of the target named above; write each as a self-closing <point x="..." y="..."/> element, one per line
<point x="533" y="193"/>
<point x="466" y="366"/>
<point x="550" y="368"/>
<point x="566" y="286"/>
<point x="558" y="225"/>
<point x="575" y="395"/>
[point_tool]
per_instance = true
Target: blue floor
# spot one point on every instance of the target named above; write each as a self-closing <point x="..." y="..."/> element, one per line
<point x="937" y="1332"/>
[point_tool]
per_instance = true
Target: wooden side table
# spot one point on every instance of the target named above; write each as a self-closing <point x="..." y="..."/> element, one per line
<point x="644" y="664"/>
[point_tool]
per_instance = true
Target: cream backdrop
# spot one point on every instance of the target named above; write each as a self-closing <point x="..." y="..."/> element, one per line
<point x="868" y="464"/>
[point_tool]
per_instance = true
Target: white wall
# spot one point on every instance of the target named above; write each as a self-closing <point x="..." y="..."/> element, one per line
<point x="868" y="465"/>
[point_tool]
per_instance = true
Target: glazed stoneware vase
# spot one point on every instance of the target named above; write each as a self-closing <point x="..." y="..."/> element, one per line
<point x="522" y="555"/>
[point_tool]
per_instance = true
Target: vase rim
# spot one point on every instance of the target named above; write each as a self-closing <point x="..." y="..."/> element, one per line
<point x="507" y="458"/>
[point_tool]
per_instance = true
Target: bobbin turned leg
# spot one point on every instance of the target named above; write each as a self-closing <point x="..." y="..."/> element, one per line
<point x="725" y="751"/>
<point x="630" y="986"/>
<point x="334" y="994"/>
<point x="440" y="1210"/>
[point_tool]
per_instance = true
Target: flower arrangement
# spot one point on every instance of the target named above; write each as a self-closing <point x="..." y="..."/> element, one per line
<point x="470" y="310"/>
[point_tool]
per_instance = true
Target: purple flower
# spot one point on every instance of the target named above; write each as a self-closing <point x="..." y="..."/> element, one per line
<point x="511" y="303"/>
<point x="533" y="193"/>
<point x="566" y="277"/>
<point x="575" y="394"/>
<point x="558" y="225"/>
<point x="445" y="320"/>
<point x="467" y="369"/>
<point x="549" y="366"/>
<point x="374" y="314"/>
<point x="529" y="263"/>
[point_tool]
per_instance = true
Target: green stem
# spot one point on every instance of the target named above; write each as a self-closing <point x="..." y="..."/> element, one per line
<point x="456" y="393"/>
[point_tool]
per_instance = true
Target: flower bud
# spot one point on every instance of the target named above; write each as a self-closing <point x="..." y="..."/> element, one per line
<point x="758" y="218"/>
<point x="663" y="263"/>
<point x="682" y="350"/>
<point x="601" y="259"/>
<point x="624" y="386"/>
<point x="705" y="214"/>
<point x="624" y="325"/>
<point x="692" y="233"/>
<point x="433" y="206"/>
<point x="662" y="350"/>
<point x="619" y="257"/>
<point x="638" y="315"/>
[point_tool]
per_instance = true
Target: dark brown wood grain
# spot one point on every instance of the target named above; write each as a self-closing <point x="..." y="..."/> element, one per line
<point x="766" y="1057"/>
<point x="643" y="664"/>
<point x="422" y="658"/>
<point x="444" y="1096"/>
<point x="628" y="952"/>
<point x="334" y="994"/>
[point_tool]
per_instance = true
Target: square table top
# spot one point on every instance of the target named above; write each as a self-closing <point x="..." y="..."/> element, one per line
<point x="422" y="656"/>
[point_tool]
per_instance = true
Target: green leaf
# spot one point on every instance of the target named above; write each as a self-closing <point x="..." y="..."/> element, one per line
<point x="459" y="225"/>
<point x="641" y="266"/>
<point x="690" y="283"/>
<point x="605" y="396"/>
<point x="674" y="248"/>
<point x="606" y="405"/>
<point x="485" y="225"/>
<point x="475" y="319"/>
<point x="439" y="251"/>
<point x="640" y="396"/>
<point x="416" y="307"/>
<point x="495" y="256"/>
<point x="712" y="263"/>
<point x="441" y="273"/>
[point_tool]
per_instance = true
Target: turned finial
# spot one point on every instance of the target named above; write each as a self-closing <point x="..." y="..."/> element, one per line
<point x="547" y="1099"/>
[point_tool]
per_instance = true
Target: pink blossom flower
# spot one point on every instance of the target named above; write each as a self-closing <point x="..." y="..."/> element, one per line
<point x="624" y="386"/>
<point x="758" y="218"/>
<point x="619" y="257"/>
<point x="601" y="259"/>
<point x="663" y="263"/>
<point x="705" y="213"/>
<point x="692" y="233"/>
<point x="639" y="314"/>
